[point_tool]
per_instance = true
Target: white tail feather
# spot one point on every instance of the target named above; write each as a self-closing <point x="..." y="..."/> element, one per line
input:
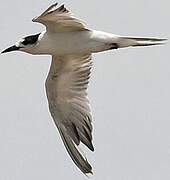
<point x="135" y="41"/>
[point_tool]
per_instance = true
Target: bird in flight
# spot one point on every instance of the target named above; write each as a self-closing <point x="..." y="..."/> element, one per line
<point x="71" y="45"/>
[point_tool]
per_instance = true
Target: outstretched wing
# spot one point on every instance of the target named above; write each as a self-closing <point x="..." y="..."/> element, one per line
<point x="59" y="19"/>
<point x="66" y="87"/>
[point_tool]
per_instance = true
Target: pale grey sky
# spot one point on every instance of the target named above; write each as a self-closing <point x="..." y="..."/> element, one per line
<point x="129" y="93"/>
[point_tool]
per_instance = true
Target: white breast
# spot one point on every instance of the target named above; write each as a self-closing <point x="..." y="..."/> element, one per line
<point x="64" y="43"/>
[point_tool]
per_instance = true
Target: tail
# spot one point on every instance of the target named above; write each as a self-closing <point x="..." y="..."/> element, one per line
<point x="138" y="41"/>
<point x="75" y="155"/>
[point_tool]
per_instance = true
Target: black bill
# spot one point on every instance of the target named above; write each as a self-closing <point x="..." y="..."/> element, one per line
<point x="12" y="48"/>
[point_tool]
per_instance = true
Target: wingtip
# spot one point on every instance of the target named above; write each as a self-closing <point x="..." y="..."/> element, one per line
<point x="55" y="4"/>
<point x="91" y="147"/>
<point x="89" y="174"/>
<point x="62" y="6"/>
<point x="34" y="19"/>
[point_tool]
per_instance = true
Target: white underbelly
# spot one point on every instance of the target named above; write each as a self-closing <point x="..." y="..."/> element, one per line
<point x="69" y="43"/>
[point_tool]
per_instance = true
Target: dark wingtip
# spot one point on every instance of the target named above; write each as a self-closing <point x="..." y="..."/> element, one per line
<point x="61" y="7"/>
<point x="91" y="147"/>
<point x="89" y="174"/>
<point x="55" y="4"/>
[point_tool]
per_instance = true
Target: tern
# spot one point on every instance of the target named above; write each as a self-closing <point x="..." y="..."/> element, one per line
<point x="71" y="44"/>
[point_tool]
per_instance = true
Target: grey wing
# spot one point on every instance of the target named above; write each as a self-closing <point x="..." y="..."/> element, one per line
<point x="66" y="88"/>
<point x="59" y="19"/>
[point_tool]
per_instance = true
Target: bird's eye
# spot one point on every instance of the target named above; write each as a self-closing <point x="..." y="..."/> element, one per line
<point x="30" y="39"/>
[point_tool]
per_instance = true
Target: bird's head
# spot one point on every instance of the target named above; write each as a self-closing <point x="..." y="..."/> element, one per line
<point x="26" y="44"/>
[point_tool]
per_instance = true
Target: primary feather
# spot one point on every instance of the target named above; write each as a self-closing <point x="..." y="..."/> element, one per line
<point x="59" y="19"/>
<point x="66" y="87"/>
